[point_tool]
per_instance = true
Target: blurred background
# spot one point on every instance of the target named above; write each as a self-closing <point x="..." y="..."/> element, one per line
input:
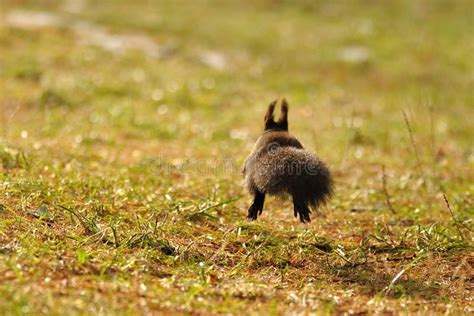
<point x="195" y="70"/>
<point x="124" y="81"/>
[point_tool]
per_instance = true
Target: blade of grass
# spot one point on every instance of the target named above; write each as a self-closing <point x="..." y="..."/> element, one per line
<point x="452" y="216"/>
<point x="411" y="264"/>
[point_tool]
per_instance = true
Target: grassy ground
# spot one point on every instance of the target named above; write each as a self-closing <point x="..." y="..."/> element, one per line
<point x="124" y="125"/>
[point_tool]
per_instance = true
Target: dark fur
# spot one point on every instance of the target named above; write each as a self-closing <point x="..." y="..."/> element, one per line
<point x="279" y="164"/>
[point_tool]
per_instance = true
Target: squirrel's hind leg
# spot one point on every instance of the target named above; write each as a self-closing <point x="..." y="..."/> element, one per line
<point x="300" y="207"/>
<point x="257" y="206"/>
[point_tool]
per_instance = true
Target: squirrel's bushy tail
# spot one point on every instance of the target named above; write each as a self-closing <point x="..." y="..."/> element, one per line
<point x="292" y="170"/>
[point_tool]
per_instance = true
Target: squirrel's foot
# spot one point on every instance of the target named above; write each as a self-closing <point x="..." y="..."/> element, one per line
<point x="253" y="212"/>
<point x="303" y="211"/>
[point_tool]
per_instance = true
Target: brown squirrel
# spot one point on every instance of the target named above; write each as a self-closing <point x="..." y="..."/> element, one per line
<point x="279" y="164"/>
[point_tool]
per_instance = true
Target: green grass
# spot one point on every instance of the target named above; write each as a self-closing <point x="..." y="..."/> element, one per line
<point x="120" y="180"/>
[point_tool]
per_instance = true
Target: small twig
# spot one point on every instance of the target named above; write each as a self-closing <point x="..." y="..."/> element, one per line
<point x="452" y="215"/>
<point x="384" y="188"/>
<point x="407" y="122"/>
<point x="415" y="149"/>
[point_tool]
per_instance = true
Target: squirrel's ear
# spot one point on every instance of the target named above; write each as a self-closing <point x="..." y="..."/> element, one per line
<point x="283" y="121"/>
<point x="269" y="122"/>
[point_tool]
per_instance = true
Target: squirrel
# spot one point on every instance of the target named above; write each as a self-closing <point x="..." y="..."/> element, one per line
<point x="279" y="164"/>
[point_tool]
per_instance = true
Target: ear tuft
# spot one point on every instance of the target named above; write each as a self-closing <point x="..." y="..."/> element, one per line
<point x="269" y="121"/>
<point x="283" y="121"/>
<point x="284" y="106"/>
